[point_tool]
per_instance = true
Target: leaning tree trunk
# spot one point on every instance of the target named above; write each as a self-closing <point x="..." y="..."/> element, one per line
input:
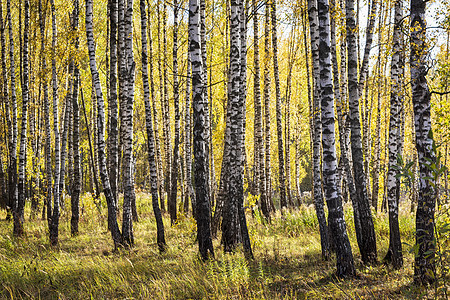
<point x="281" y="170"/>
<point x="174" y="175"/>
<point x="425" y="264"/>
<point x="12" y="176"/>
<point x="4" y="203"/>
<point x="19" y="208"/>
<point x="344" y="256"/>
<point x="201" y="168"/>
<point x="368" y="246"/>
<point x="394" y="254"/>
<point x="160" y="239"/>
<point x="113" y="226"/>
<point x="317" y="129"/>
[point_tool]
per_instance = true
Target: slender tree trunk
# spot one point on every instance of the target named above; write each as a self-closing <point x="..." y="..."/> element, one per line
<point x="76" y="184"/>
<point x="19" y="208"/>
<point x="114" y="227"/>
<point x="161" y="171"/>
<point x="260" y="178"/>
<point x="281" y="169"/>
<point x="54" y="215"/>
<point x="424" y="268"/>
<point x="377" y="150"/>
<point x="187" y="142"/>
<point x="166" y="110"/>
<point x="127" y="70"/>
<point x="160" y="239"/>
<point x="113" y="150"/>
<point x="368" y="247"/>
<point x="176" y="96"/>
<point x="65" y="133"/>
<point x="344" y="256"/>
<point x="207" y="111"/>
<point x="394" y="254"/>
<point x="48" y="140"/>
<point x="12" y="176"/>
<point x="8" y="139"/>
<point x="266" y="98"/>
<point x="201" y="170"/>
<point x="317" y="182"/>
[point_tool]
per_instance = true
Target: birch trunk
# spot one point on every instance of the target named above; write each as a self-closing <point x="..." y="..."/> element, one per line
<point x="56" y="193"/>
<point x="174" y="176"/>
<point x="12" y="176"/>
<point x="281" y="168"/>
<point x="260" y="178"/>
<point x="161" y="166"/>
<point x="344" y="256"/>
<point x="317" y="124"/>
<point x="19" y="211"/>
<point x="6" y="197"/>
<point x="187" y="142"/>
<point x="166" y="110"/>
<point x="160" y="238"/>
<point x="114" y="227"/>
<point x="76" y="184"/>
<point x="113" y="145"/>
<point x="266" y="98"/>
<point x="48" y="139"/>
<point x="424" y="267"/>
<point x="201" y="170"/>
<point x="394" y="254"/>
<point x="127" y="70"/>
<point x="368" y="247"/>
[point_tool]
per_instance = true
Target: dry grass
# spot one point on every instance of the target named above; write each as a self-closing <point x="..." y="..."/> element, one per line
<point x="287" y="262"/>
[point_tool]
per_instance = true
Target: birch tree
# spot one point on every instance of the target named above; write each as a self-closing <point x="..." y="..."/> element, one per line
<point x="344" y="256"/>
<point x="113" y="226"/>
<point x="20" y="206"/>
<point x="160" y="238"/>
<point x="368" y="247"/>
<point x="424" y="267"/>
<point x="174" y="173"/>
<point x="76" y="184"/>
<point x="281" y="169"/>
<point x="201" y="168"/>
<point x="394" y="254"/>
<point x="12" y="176"/>
<point x="317" y="128"/>
<point x="54" y="212"/>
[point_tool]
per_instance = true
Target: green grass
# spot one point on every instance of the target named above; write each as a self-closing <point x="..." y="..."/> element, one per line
<point x="287" y="262"/>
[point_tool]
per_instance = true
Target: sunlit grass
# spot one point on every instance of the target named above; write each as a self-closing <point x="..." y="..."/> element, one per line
<point x="287" y="261"/>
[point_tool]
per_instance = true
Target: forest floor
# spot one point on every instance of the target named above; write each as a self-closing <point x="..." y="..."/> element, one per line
<point x="287" y="262"/>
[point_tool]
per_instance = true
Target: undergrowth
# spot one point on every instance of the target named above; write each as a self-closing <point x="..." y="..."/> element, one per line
<point x="287" y="261"/>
